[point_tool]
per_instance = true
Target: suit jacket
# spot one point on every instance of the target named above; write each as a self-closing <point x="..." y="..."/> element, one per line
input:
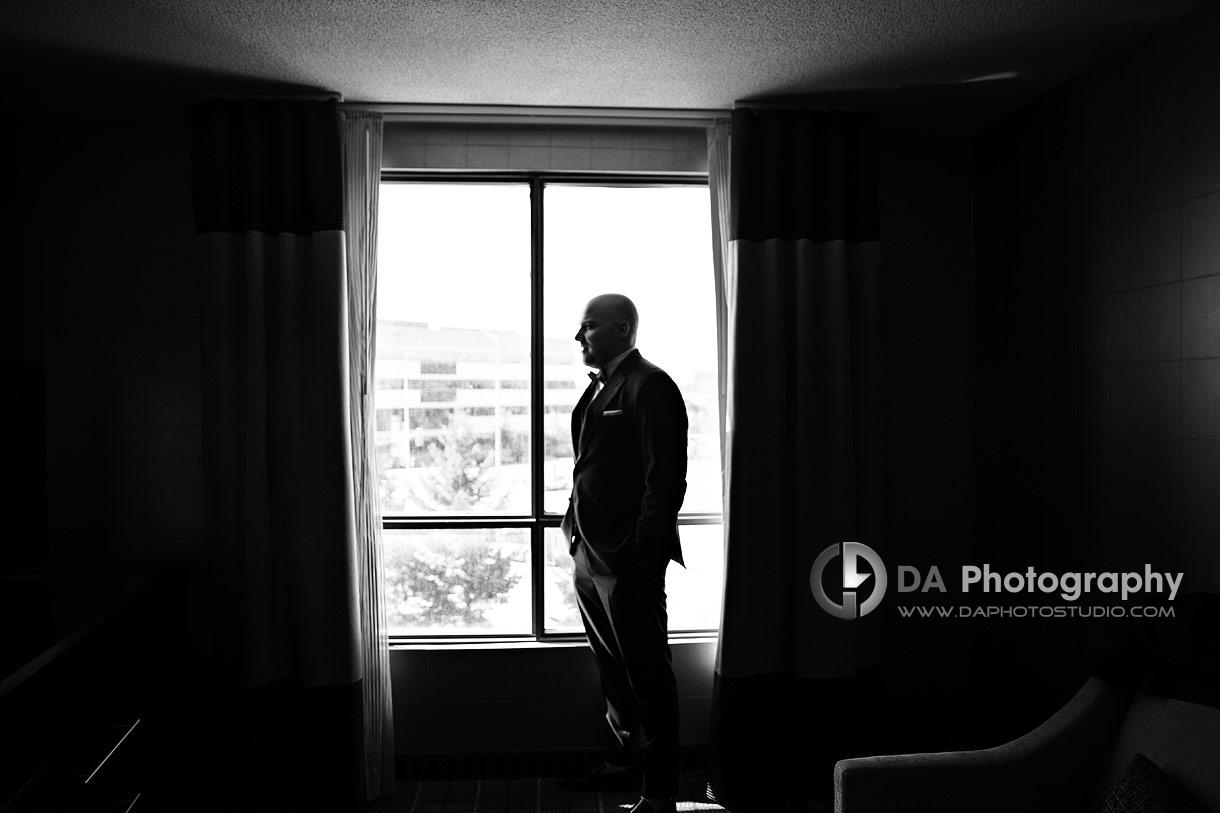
<point x="629" y="477"/>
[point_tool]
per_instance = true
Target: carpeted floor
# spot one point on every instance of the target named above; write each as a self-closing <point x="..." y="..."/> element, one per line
<point x="520" y="795"/>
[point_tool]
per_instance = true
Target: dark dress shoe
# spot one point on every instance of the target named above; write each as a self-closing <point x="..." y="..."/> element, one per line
<point x="601" y="779"/>
<point x="642" y="806"/>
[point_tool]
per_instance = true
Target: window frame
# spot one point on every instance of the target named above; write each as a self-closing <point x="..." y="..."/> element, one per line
<point x="538" y="521"/>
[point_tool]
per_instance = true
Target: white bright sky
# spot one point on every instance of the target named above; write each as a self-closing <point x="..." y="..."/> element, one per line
<point x="458" y="255"/>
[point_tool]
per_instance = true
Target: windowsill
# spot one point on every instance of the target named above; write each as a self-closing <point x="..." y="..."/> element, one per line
<point x="475" y="644"/>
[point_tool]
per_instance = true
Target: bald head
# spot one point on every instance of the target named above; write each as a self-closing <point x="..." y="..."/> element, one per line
<point x="616" y="308"/>
<point x="608" y="328"/>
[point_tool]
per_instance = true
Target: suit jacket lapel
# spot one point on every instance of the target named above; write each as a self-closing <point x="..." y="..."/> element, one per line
<point x="578" y="414"/>
<point x="594" y="413"/>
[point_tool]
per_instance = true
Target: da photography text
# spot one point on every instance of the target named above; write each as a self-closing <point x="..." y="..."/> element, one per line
<point x="1070" y="586"/>
<point x="858" y="580"/>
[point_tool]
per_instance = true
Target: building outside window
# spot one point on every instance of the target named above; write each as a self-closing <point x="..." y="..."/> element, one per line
<point x="482" y="282"/>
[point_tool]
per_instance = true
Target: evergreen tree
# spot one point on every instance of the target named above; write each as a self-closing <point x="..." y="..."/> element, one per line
<point x="452" y="578"/>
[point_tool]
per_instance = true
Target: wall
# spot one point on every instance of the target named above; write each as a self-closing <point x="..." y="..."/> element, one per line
<point x="1147" y="237"/>
<point x="928" y="265"/>
<point x="109" y="269"/>
<point x="109" y="310"/>
<point x="1098" y="301"/>
<point x="543" y="697"/>
<point x="1104" y="198"/>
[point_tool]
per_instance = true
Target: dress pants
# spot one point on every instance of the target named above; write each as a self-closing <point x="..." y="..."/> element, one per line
<point x="622" y="604"/>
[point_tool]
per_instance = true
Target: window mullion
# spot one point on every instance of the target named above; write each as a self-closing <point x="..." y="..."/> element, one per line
<point x="537" y="385"/>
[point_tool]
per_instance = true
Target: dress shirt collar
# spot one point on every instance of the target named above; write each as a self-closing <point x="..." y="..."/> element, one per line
<point x="612" y="364"/>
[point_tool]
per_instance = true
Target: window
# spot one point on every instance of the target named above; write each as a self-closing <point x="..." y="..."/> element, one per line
<point x="482" y="282"/>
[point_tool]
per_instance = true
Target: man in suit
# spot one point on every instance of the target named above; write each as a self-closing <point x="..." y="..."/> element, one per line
<point x="628" y="482"/>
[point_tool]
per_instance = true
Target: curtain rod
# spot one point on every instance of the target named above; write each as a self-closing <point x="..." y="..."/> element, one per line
<point x="272" y="96"/>
<point x="520" y="114"/>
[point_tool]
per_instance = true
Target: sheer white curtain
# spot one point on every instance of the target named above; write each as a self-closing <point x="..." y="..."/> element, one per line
<point x="361" y="132"/>
<point x="724" y="261"/>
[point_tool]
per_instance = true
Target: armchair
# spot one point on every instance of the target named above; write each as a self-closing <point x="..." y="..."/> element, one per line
<point x="1069" y="763"/>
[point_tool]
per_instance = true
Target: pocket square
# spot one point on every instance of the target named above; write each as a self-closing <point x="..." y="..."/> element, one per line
<point x="610" y="413"/>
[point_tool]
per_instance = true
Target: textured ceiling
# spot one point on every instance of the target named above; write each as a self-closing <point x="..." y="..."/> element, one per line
<point x="961" y="60"/>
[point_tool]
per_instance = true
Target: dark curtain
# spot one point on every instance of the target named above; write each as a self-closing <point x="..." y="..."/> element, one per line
<point x="804" y="453"/>
<point x="278" y="491"/>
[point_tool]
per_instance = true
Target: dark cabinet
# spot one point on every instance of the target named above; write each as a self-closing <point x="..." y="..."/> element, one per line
<point x="88" y="685"/>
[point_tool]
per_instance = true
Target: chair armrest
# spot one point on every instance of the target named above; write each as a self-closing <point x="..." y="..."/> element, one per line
<point x="1051" y="768"/>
